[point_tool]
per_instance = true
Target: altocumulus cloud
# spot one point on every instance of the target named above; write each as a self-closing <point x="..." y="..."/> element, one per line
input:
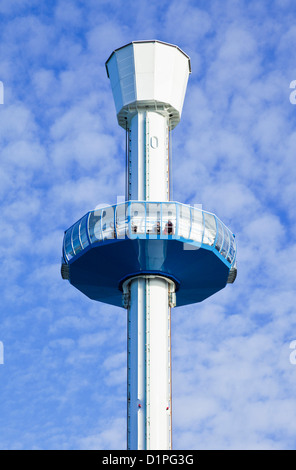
<point x="62" y="153"/>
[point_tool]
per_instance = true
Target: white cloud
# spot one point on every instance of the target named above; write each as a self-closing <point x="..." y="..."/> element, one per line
<point x="193" y="22"/>
<point x="17" y="122"/>
<point x="68" y="13"/>
<point x="109" y="438"/>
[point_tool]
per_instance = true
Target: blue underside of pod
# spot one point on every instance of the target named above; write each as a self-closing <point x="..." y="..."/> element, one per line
<point x="101" y="269"/>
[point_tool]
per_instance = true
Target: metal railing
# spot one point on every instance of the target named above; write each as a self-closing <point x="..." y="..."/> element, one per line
<point x="151" y="220"/>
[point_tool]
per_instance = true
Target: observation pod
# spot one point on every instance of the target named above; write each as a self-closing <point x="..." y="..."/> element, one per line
<point x="149" y="253"/>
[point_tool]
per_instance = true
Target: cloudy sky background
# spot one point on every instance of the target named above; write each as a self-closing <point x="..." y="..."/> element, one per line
<point x="63" y="381"/>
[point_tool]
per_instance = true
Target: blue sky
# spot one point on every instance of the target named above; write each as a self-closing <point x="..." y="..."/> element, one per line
<point x="63" y="381"/>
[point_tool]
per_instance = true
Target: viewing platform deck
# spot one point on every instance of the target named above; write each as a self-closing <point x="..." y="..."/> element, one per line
<point x="151" y="220"/>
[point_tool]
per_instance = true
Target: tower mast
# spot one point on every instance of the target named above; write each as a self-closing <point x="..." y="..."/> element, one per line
<point x="135" y="254"/>
<point x="143" y="79"/>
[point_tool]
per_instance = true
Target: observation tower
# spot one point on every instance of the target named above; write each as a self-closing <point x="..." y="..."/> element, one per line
<point x="149" y="253"/>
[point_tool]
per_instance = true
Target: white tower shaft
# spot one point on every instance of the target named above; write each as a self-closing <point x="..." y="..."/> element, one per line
<point x="149" y="368"/>
<point x="149" y="365"/>
<point x="148" y="162"/>
<point x="148" y="80"/>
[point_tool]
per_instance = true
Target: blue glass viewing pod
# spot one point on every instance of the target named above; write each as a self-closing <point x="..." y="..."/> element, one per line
<point x="183" y="243"/>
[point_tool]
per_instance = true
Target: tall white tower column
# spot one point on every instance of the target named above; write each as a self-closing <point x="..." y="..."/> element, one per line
<point x="148" y="159"/>
<point x="148" y="80"/>
<point x="149" y="365"/>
